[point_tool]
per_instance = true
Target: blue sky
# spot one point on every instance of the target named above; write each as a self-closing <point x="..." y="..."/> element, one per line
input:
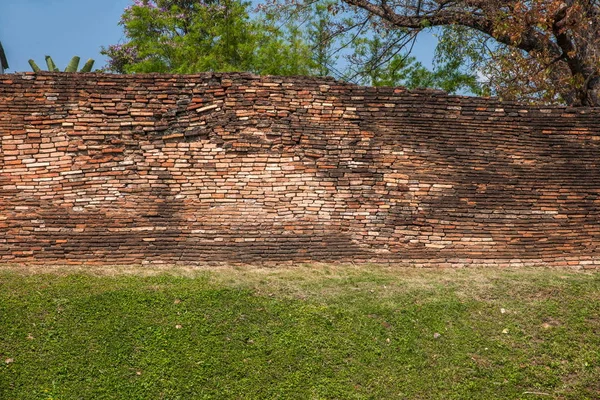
<point x="65" y="28"/>
<point x="60" y="28"/>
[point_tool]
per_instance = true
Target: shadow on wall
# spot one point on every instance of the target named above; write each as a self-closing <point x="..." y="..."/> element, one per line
<point x="240" y="168"/>
<point x="495" y="192"/>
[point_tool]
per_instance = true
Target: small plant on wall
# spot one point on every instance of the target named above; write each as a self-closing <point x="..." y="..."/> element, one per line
<point x="72" y="67"/>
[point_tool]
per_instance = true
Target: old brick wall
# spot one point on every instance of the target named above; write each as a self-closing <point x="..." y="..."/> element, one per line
<point x="239" y="168"/>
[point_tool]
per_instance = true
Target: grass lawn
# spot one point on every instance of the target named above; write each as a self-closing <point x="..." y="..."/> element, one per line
<point x="302" y="332"/>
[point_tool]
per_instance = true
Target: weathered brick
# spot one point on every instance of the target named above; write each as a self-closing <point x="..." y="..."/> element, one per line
<point x="241" y="168"/>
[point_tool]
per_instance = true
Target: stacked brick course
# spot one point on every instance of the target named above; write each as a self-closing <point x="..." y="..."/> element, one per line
<point x="118" y="169"/>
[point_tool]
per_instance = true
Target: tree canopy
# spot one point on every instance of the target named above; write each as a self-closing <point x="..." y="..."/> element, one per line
<point x="533" y="50"/>
<point x="541" y="50"/>
<point x="186" y="36"/>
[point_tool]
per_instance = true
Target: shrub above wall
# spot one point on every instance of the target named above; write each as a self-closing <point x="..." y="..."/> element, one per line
<point x="100" y="168"/>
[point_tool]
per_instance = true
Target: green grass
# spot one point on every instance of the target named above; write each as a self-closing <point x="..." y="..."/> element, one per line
<point x="303" y="332"/>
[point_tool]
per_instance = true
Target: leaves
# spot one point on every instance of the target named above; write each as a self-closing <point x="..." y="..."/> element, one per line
<point x="519" y="50"/>
<point x="299" y="39"/>
<point x="187" y="37"/>
<point x="403" y="70"/>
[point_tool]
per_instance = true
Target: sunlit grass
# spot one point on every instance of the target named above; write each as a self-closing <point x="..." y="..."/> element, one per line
<point x="298" y="332"/>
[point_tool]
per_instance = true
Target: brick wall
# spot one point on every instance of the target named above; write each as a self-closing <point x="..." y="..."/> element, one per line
<point x="239" y="168"/>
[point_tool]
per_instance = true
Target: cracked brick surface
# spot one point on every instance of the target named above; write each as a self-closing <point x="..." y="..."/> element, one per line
<point x="114" y="169"/>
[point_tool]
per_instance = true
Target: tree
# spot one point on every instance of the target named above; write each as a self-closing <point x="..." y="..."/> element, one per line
<point x="354" y="48"/>
<point x="186" y="36"/>
<point x="320" y="37"/>
<point x="282" y="49"/>
<point x="546" y="50"/>
<point x="378" y="66"/>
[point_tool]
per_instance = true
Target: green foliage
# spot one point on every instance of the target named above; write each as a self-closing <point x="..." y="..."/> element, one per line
<point x="170" y="36"/>
<point x="87" y="67"/>
<point x="50" y="63"/>
<point x="73" y="64"/>
<point x="380" y="68"/>
<point x="71" y="67"/>
<point x="460" y="48"/>
<point x="333" y="332"/>
<point x="282" y="52"/>
<point x="361" y="50"/>
<point x="182" y="36"/>
<point x="34" y="66"/>
<point x="321" y="36"/>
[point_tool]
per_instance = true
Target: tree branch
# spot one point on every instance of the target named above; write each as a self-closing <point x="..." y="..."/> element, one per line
<point x="529" y="41"/>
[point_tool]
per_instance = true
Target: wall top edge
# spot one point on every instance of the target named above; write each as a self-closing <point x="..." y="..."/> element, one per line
<point x="11" y="78"/>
